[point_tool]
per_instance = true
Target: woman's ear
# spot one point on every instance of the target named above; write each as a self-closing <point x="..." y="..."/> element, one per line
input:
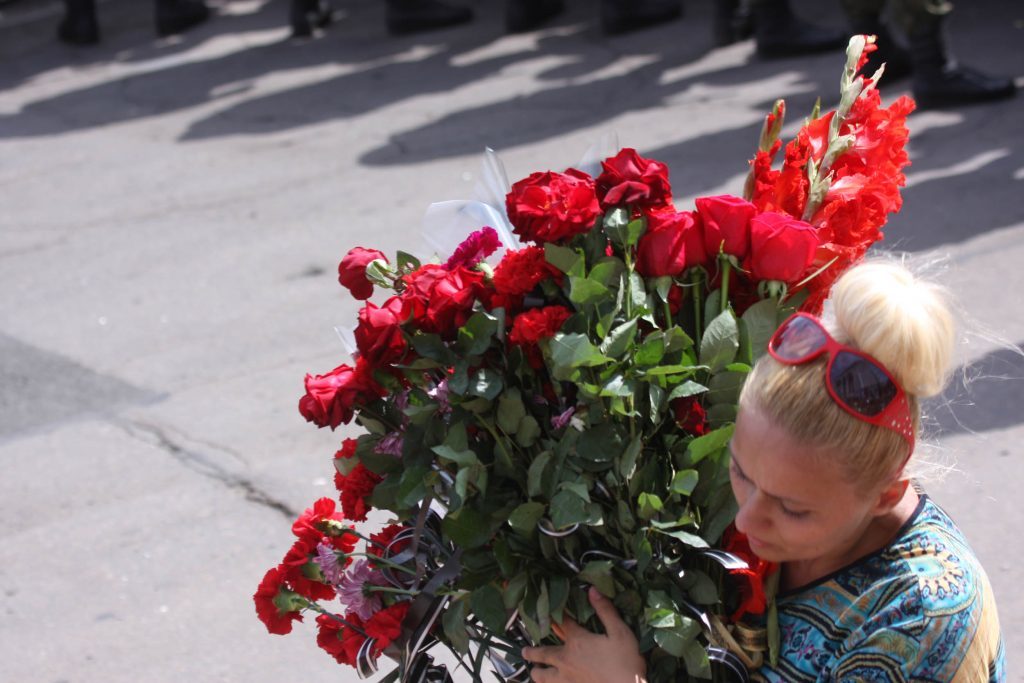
<point x="891" y="495"/>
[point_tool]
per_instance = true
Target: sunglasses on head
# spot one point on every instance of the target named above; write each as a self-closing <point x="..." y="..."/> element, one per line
<point x="858" y="383"/>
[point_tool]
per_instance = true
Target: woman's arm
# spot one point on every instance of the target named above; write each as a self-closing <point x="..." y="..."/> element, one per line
<point x="590" y="657"/>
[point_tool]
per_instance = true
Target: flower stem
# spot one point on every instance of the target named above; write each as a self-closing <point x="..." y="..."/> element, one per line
<point x="696" y="279"/>
<point x="723" y="293"/>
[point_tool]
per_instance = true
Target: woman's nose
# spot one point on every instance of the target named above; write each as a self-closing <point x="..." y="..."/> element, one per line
<point x="752" y="517"/>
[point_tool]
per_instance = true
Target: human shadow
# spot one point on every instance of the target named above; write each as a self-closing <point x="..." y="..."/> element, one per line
<point x="985" y="395"/>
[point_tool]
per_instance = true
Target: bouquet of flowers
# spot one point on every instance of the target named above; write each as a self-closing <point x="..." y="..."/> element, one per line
<point x="560" y="419"/>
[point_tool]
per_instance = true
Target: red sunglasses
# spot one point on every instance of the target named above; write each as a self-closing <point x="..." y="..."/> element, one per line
<point x="858" y="383"/>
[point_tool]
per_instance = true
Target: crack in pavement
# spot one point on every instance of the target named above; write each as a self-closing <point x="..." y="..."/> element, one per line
<point x="201" y="463"/>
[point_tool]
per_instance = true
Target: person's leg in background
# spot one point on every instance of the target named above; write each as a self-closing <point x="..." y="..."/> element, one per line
<point x="775" y="27"/>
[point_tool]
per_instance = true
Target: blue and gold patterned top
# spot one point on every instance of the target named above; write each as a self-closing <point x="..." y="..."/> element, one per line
<point x="920" y="609"/>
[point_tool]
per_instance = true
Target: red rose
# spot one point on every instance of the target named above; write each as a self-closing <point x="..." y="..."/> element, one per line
<point x="330" y="399"/>
<point x="439" y="300"/>
<point x="519" y="272"/>
<point x="672" y="243"/>
<point x="386" y="625"/>
<point x="781" y="248"/>
<point x="751" y="580"/>
<point x="531" y="326"/>
<point x="276" y="620"/>
<point x="690" y="415"/>
<point x="629" y="178"/>
<point x="352" y="271"/>
<point x="379" y="333"/>
<point x="552" y="207"/>
<point x="356" y="487"/>
<point x="339" y="640"/>
<point x="726" y="224"/>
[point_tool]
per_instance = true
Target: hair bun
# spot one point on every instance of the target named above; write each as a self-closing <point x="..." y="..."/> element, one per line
<point x="882" y="309"/>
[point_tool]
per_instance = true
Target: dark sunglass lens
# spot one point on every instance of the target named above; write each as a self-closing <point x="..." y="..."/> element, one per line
<point x="798" y="339"/>
<point x="861" y="384"/>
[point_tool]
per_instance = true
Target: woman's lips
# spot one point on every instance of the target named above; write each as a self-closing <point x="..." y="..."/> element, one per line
<point x="756" y="543"/>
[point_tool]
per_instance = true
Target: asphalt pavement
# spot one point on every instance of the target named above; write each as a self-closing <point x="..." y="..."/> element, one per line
<point x="173" y="212"/>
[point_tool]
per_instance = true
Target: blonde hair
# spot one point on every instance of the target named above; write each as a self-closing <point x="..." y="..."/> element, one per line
<point x="904" y="323"/>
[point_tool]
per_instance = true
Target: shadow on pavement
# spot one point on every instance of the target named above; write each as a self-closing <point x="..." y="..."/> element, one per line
<point x="985" y="395"/>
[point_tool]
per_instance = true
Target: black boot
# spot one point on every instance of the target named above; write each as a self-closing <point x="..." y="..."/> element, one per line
<point x="176" y="16"/>
<point x="410" y="16"/>
<point x="780" y="33"/>
<point x="939" y="81"/>
<point x="889" y="52"/>
<point x="79" y="27"/>
<point x="526" y="15"/>
<point x="306" y="15"/>
<point x="732" y="22"/>
<point x="620" y="16"/>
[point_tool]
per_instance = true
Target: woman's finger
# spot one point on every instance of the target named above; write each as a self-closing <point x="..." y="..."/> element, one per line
<point x="606" y="612"/>
<point x="543" y="674"/>
<point x="548" y="656"/>
<point x="569" y="629"/>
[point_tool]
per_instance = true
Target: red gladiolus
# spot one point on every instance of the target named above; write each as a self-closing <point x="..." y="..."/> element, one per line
<point x="331" y="399"/>
<point x="276" y="620"/>
<point x="630" y="179"/>
<point x="352" y="271"/>
<point x="552" y="207"/>
<point x="751" y="580"/>
<point x="781" y="248"/>
<point x="379" y="333"/>
<point x="726" y="224"/>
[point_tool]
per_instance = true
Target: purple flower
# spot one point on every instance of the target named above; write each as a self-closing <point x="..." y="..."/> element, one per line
<point x="559" y="421"/>
<point x="391" y="444"/>
<point x="474" y="249"/>
<point x="440" y="394"/>
<point x="352" y="589"/>
<point x="327" y="559"/>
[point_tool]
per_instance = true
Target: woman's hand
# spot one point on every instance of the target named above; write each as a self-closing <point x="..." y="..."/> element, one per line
<point x="589" y="657"/>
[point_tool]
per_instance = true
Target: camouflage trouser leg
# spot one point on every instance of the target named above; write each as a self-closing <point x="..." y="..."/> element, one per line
<point x="909" y="16"/>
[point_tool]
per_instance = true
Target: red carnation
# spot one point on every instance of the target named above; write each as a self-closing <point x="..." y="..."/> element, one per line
<point x="531" y="326"/>
<point x="750" y="580"/>
<point x="519" y="272"/>
<point x="672" y="243"/>
<point x="298" y="556"/>
<point x="277" y="620"/>
<point x="726" y="224"/>
<point x="630" y="179"/>
<point x="552" y="207"/>
<point x="380" y="541"/>
<point x="781" y="248"/>
<point x="379" y="333"/>
<point x="352" y="271"/>
<point x="386" y="625"/>
<point x="356" y="487"/>
<point x="348" y="449"/>
<point x="339" y="640"/>
<point x="690" y="415"/>
<point x="331" y="399"/>
<point x="474" y="249"/>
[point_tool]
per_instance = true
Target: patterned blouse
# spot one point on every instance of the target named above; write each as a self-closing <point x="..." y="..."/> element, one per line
<point x="920" y="609"/>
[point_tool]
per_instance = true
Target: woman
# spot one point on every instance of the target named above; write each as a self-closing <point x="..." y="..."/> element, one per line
<point x="877" y="583"/>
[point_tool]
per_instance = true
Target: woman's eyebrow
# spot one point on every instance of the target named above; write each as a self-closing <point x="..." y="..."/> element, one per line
<point x="791" y="501"/>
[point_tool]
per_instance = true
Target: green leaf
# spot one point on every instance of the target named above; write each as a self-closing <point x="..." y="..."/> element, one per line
<point x="720" y="342"/>
<point x="687" y="388"/>
<point x="598" y="574"/>
<point x="725" y="387"/>
<point x="722" y="414"/>
<point x="676" y="340"/>
<point x="619" y="339"/>
<point x="624" y="516"/>
<point x="606" y="271"/>
<point x="627" y="464"/>
<point x="656" y="395"/>
<point x="761" y="321"/>
<point x="567" y="260"/>
<point x="649" y="505"/>
<point x="602" y="443"/>
<point x="567" y="509"/>
<point x="696" y="658"/>
<point x="651" y="350"/>
<point x="583" y="291"/>
<point x="411" y="487"/>
<point x="515" y="590"/>
<point x="535" y="474"/>
<point x="684" y="482"/>
<point x="710" y="443"/>
<point x="462" y="458"/>
<point x="468" y="528"/>
<point x="486" y="383"/>
<point x="475" y="336"/>
<point x="558" y="594"/>
<point x="571" y="351"/>
<point x="543" y="607"/>
<point x="528" y="431"/>
<point x="701" y="589"/>
<point x="525" y="517"/>
<point x="454" y="623"/>
<point x="430" y="346"/>
<point x="685" y="537"/>
<point x="511" y="411"/>
<point x="672" y="640"/>
<point x="405" y="259"/>
<point x="486" y="604"/>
